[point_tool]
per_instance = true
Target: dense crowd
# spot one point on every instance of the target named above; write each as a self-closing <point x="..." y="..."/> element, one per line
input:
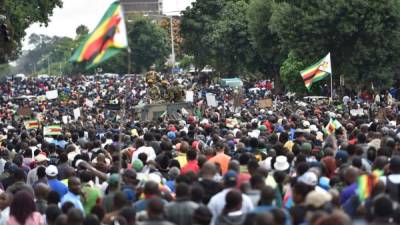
<point x="294" y="162"/>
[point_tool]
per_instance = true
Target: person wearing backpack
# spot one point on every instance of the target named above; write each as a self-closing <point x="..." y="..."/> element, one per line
<point x="392" y="181"/>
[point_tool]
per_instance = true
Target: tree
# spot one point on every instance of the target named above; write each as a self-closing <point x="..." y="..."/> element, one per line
<point x="196" y="26"/>
<point x="231" y="51"/>
<point x="149" y="44"/>
<point x="20" y="14"/>
<point x="362" y="36"/>
<point x="81" y="31"/>
<point x="265" y="41"/>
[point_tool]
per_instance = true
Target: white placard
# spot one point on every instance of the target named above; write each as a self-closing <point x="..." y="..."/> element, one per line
<point x="51" y="94"/>
<point x="189" y="96"/>
<point x="65" y="119"/>
<point x="77" y="113"/>
<point x="211" y="101"/>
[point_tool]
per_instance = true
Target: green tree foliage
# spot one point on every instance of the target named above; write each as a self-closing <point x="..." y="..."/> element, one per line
<point x="20" y="14"/>
<point x="149" y="44"/>
<point x="196" y="25"/>
<point x="265" y="41"/>
<point x="290" y="74"/>
<point x="231" y="49"/>
<point x="362" y="35"/>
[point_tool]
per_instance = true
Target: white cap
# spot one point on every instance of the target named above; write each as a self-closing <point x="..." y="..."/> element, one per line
<point x="51" y="171"/>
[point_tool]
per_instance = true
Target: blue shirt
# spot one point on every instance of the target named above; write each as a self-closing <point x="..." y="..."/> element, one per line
<point x="58" y="187"/>
<point x="74" y="199"/>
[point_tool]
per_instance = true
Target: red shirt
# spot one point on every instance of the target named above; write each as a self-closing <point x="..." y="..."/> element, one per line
<point x="190" y="166"/>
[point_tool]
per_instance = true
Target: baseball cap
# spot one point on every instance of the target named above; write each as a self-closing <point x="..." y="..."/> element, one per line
<point x="230" y="177"/>
<point x="51" y="171"/>
<point x="137" y="165"/>
<point x="308" y="178"/>
<point x="342" y="155"/>
<point x="113" y="179"/>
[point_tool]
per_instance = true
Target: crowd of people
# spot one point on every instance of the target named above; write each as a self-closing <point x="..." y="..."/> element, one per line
<point x="239" y="163"/>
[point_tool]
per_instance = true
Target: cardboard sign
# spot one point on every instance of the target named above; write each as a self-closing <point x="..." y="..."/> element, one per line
<point x="24" y="111"/>
<point x="77" y="113"/>
<point x="265" y="103"/>
<point x="357" y="112"/>
<point x="211" y="100"/>
<point x="189" y="96"/>
<point x="51" y="94"/>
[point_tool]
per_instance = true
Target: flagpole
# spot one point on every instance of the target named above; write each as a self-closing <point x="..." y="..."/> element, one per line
<point x="331" y="88"/>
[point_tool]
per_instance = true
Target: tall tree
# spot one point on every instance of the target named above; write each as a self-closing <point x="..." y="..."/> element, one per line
<point x="266" y="41"/>
<point x="196" y="27"/>
<point x="363" y="36"/>
<point x="231" y="51"/>
<point x="149" y="44"/>
<point x="20" y="14"/>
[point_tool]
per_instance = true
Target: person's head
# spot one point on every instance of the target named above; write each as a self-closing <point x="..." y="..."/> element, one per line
<point x="350" y="174"/>
<point x="75" y="217"/>
<point x="197" y="193"/>
<point x="120" y="200"/>
<point x="41" y="172"/>
<point x="382" y="207"/>
<point x="62" y="220"/>
<point x="201" y="216"/>
<point x="74" y="185"/>
<point x="41" y="191"/>
<point x="155" y="208"/>
<point x="22" y="206"/>
<point x="191" y="155"/>
<point x="151" y="189"/>
<point x="129" y="213"/>
<point x="51" y="172"/>
<point x="300" y="191"/>
<point x="234" y="166"/>
<point x="52" y="212"/>
<point x="208" y="170"/>
<point x="233" y="201"/>
<point x="5" y="200"/>
<point x="395" y="165"/>
<point x="91" y="220"/>
<point x="53" y="197"/>
<point x="182" y="190"/>
<point x="230" y="179"/>
<point x="219" y="147"/>
<point x="267" y="196"/>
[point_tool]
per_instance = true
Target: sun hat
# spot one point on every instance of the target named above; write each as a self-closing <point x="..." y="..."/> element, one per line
<point x="281" y="163"/>
<point x="317" y="199"/>
<point x="41" y="158"/>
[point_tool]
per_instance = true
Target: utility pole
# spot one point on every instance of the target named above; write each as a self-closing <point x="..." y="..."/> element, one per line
<point x="172" y="43"/>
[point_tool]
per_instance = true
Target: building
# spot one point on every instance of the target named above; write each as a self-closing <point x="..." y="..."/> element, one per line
<point x="165" y="7"/>
<point x="142" y="6"/>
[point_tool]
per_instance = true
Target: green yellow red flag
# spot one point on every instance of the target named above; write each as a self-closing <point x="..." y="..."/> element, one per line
<point x="317" y="72"/>
<point x="107" y="39"/>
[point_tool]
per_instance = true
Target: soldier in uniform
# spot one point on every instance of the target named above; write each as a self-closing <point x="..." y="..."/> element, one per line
<point x="164" y="88"/>
<point x="153" y="92"/>
<point x="152" y="75"/>
<point x="177" y="92"/>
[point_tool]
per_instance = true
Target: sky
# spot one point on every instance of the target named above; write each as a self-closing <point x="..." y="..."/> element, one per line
<point x="88" y="12"/>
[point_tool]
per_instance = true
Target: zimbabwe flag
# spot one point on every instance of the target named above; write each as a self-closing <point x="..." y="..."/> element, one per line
<point x="317" y="72"/>
<point x="53" y="130"/>
<point x="107" y="39"/>
<point x="31" y="124"/>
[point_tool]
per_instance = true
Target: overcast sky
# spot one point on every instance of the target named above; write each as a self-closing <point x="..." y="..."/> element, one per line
<point x="88" y="12"/>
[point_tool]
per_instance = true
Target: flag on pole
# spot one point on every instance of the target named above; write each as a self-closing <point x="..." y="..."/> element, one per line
<point x="107" y="39"/>
<point x="317" y="72"/>
<point x="31" y="124"/>
<point x="52" y="130"/>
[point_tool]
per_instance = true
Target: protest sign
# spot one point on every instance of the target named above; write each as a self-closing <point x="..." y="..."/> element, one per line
<point x="77" y="113"/>
<point x="189" y="96"/>
<point x="51" y="94"/>
<point x="211" y="100"/>
<point x="265" y="103"/>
